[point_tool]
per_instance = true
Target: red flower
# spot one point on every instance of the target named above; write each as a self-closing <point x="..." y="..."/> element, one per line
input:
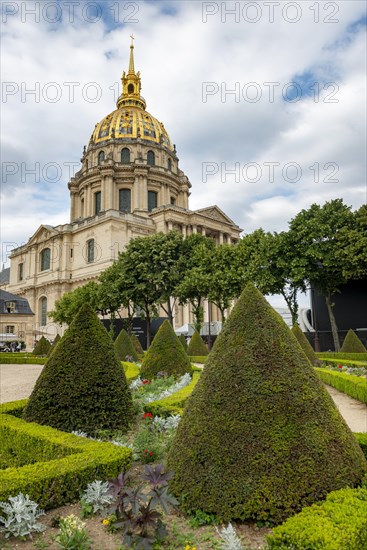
<point x="145" y="381"/>
<point x="148" y="415"/>
<point x="340" y="366"/>
<point x="151" y="454"/>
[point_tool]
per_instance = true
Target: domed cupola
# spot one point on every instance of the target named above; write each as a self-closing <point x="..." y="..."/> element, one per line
<point x="131" y="120"/>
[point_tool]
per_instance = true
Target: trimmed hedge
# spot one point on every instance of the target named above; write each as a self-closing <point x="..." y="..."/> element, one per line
<point x="54" y="344"/>
<point x="198" y="358"/>
<point x="183" y="341"/>
<point x="338" y="523"/>
<point x="68" y="463"/>
<point x="132" y="371"/>
<point x="124" y="347"/>
<point x="354" y="386"/>
<point x="42" y="347"/>
<point x="165" y="354"/>
<point x="362" y="440"/>
<point x="196" y="345"/>
<point x="16" y="360"/>
<point x="173" y="404"/>
<point x="305" y="344"/>
<point x="82" y="386"/>
<point x="137" y="345"/>
<point x="260" y="437"/>
<point x="352" y="344"/>
<point x="341" y="356"/>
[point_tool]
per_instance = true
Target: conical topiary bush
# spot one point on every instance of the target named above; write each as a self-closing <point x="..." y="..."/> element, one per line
<point x="260" y="437"/>
<point x="196" y="345"/>
<point x="305" y="345"/>
<point x="124" y="347"/>
<point x="165" y="354"/>
<point x="42" y="347"/>
<point x="352" y="343"/>
<point x="136" y="343"/>
<point x="82" y="385"/>
<point x="54" y="344"/>
<point x="183" y="341"/>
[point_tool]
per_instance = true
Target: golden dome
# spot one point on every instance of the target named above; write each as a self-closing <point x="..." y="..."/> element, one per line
<point x="130" y="120"/>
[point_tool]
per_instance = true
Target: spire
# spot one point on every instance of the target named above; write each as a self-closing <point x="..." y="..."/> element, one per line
<point x="131" y="63"/>
<point x="131" y="85"/>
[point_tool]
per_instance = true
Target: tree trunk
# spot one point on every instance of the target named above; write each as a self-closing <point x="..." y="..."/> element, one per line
<point x="292" y="304"/>
<point x="334" y="328"/>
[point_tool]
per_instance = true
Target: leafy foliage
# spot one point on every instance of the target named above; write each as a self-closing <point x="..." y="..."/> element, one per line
<point x="42" y="348"/>
<point x="196" y="346"/>
<point x="83" y="385"/>
<point x="352" y="343"/>
<point x="166" y="354"/>
<point x="97" y="495"/>
<point x="138" y="510"/>
<point x="260" y="437"/>
<point x="73" y="535"/>
<point x="305" y="345"/>
<point x="124" y="348"/>
<point x="21" y="517"/>
<point x="230" y="540"/>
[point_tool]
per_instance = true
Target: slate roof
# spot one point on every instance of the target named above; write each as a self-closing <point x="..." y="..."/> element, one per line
<point x="5" y="276"/>
<point x="21" y="304"/>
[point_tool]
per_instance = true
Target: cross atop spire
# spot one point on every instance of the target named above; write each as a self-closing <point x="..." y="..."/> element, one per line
<point x="131" y="84"/>
<point x="131" y="63"/>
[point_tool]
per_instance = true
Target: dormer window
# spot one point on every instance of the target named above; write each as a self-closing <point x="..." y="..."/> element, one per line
<point x="10" y="307"/>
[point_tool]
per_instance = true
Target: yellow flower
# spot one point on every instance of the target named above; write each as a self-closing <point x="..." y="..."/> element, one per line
<point x="106" y="522"/>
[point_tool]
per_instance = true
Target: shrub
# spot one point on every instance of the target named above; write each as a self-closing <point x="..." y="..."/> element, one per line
<point x="260" y="437"/>
<point x="54" y="344"/>
<point x="42" y="347"/>
<point x="337" y="355"/>
<point x="14" y="359"/>
<point x="65" y="466"/>
<point x="96" y="497"/>
<point x="354" y="386"/>
<point x="352" y="343"/>
<point x="137" y="345"/>
<point x="346" y="363"/>
<point x="196" y="345"/>
<point x="362" y="440"/>
<point x="339" y="523"/>
<point x="124" y="347"/>
<point x="165" y="354"/>
<point x="21" y="517"/>
<point x="82" y="386"/>
<point x="132" y="371"/>
<point x="183" y="341"/>
<point x="305" y="345"/>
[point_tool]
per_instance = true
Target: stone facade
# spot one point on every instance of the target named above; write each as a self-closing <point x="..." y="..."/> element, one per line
<point x="129" y="185"/>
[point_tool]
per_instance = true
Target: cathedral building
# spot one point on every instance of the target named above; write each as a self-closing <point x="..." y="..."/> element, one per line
<point x="130" y="184"/>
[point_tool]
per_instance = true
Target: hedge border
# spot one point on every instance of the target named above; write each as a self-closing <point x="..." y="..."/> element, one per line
<point x="354" y="386"/>
<point x="341" y="356"/>
<point x="338" y="523"/>
<point x="173" y="404"/>
<point x="198" y="358"/>
<point x="344" y="362"/>
<point x="56" y="482"/>
<point x="16" y="360"/>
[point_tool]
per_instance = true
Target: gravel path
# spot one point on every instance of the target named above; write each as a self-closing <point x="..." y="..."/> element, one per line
<point x="17" y="381"/>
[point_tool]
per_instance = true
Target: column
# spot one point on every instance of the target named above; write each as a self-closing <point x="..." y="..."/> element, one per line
<point x="170" y="226"/>
<point x="107" y="195"/>
<point x="229" y="240"/>
<point x="184" y="231"/>
<point x="203" y="231"/>
<point x="136" y="194"/>
<point x="220" y="237"/>
<point x="194" y="229"/>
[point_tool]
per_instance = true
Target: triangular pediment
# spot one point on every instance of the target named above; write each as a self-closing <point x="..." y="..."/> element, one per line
<point x="43" y="233"/>
<point x="215" y="213"/>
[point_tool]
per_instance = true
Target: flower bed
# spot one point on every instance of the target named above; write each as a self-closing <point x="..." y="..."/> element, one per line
<point x="354" y="386"/>
<point x="338" y="523"/>
<point x="67" y="463"/>
<point x="345" y="362"/>
<point x="174" y="403"/>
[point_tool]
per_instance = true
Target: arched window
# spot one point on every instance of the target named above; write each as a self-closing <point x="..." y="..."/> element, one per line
<point x="125" y="155"/>
<point x="43" y="311"/>
<point x="101" y="157"/>
<point x="151" y="158"/>
<point x="152" y="200"/>
<point x="125" y="200"/>
<point x="45" y="259"/>
<point x="130" y="89"/>
<point x="169" y="163"/>
<point x="90" y="251"/>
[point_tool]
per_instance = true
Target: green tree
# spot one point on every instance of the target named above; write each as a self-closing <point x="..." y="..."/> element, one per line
<point x="165" y="354"/>
<point x="316" y="235"/>
<point x="260" y="437"/>
<point x="68" y="306"/>
<point x="83" y="385"/>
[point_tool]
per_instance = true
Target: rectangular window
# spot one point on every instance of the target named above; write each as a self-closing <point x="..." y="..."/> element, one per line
<point x="152" y="200"/>
<point x="45" y="259"/>
<point x="9" y="329"/>
<point x="97" y="202"/>
<point x="173" y="201"/>
<point x="125" y="200"/>
<point x="20" y="272"/>
<point x="90" y="251"/>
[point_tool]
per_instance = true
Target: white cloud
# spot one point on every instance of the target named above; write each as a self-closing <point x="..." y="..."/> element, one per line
<point x="176" y="54"/>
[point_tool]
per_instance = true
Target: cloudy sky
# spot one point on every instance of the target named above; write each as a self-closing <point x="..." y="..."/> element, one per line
<point x="264" y="100"/>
